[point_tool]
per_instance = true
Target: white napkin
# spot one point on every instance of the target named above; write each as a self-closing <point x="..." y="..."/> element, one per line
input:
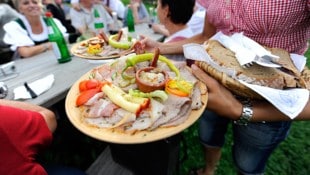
<point x="38" y="87"/>
<point x="247" y="50"/>
<point x="289" y="102"/>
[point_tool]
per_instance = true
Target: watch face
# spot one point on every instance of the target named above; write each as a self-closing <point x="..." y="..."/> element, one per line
<point x="246" y="115"/>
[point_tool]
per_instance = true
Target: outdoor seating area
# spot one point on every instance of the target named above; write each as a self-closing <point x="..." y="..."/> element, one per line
<point x="119" y="128"/>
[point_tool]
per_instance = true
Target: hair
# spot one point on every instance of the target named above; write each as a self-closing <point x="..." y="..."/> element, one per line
<point x="180" y="11"/>
<point x="17" y="3"/>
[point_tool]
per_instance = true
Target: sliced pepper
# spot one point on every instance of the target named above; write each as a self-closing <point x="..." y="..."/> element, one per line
<point x="125" y="101"/>
<point x="172" y="88"/>
<point x="154" y="94"/>
<point x="119" y="44"/>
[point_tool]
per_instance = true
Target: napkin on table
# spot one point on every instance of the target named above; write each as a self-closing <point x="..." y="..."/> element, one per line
<point x="38" y="87"/>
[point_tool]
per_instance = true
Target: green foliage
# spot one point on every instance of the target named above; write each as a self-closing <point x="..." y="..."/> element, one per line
<point x="291" y="157"/>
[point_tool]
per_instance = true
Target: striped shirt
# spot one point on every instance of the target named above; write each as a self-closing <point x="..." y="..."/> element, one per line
<point x="274" y="23"/>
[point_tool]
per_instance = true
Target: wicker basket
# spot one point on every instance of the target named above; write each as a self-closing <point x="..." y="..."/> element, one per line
<point x="233" y="85"/>
<point x="236" y="87"/>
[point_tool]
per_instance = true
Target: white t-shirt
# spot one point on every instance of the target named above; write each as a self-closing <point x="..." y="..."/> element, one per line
<point x="115" y="5"/>
<point x="185" y="33"/>
<point x="85" y="17"/>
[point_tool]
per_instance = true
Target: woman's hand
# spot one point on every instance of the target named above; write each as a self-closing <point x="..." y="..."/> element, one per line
<point x="220" y="100"/>
<point x="148" y="44"/>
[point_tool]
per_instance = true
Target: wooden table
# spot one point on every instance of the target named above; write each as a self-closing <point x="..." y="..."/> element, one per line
<point x="41" y="65"/>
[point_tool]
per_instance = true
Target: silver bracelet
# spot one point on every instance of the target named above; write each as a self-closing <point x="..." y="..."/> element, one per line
<point x="246" y="115"/>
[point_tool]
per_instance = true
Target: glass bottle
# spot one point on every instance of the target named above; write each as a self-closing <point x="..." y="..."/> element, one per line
<point x="99" y="26"/>
<point x="57" y="39"/>
<point x="130" y="24"/>
<point x="116" y="26"/>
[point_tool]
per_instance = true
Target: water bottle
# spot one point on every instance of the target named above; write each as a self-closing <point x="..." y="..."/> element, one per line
<point x="99" y="26"/>
<point x="57" y="39"/>
<point x="130" y="25"/>
<point x="116" y="26"/>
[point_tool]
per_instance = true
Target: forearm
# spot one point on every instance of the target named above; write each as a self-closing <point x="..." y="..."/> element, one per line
<point x="28" y="51"/>
<point x="264" y="111"/>
<point x="48" y="115"/>
<point x="177" y="47"/>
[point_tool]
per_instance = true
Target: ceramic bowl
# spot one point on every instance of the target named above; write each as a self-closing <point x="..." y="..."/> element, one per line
<point x="150" y="79"/>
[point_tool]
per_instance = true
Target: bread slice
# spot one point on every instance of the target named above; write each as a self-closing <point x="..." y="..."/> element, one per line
<point x="287" y="77"/>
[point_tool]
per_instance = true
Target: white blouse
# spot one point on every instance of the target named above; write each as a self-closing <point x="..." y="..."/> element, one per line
<point x="17" y="36"/>
<point x="184" y="33"/>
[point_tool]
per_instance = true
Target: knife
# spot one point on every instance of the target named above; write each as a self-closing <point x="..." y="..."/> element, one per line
<point x="31" y="92"/>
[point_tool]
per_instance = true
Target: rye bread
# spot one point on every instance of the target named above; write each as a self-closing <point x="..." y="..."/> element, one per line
<point x="287" y="77"/>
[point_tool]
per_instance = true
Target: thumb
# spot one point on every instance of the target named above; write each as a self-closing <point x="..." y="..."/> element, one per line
<point x="210" y="82"/>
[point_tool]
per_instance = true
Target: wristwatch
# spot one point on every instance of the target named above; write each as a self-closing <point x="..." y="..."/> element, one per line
<point x="247" y="113"/>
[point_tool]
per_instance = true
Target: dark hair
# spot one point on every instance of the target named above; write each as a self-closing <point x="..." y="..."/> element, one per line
<point x="180" y="11"/>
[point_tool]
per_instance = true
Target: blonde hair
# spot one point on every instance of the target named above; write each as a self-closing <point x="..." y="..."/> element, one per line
<point x="17" y="3"/>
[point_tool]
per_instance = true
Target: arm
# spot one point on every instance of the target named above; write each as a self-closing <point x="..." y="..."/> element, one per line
<point x="176" y="47"/>
<point x="28" y="51"/>
<point x="48" y="115"/>
<point x="220" y="98"/>
<point x="159" y="28"/>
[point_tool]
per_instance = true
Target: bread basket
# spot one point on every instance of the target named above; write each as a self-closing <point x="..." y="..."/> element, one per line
<point x="271" y="77"/>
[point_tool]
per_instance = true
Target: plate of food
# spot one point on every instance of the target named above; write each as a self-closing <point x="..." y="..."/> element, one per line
<point x="104" y="47"/>
<point x="136" y="99"/>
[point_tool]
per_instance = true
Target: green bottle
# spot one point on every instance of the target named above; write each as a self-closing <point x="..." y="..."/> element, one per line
<point x="130" y="24"/>
<point x="57" y="39"/>
<point x="98" y="22"/>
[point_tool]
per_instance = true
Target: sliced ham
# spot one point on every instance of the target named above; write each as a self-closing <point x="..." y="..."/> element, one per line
<point x="101" y="108"/>
<point x="196" y="97"/>
<point x="174" y="107"/>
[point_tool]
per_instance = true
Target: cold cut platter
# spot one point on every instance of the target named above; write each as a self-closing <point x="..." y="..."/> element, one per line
<point x="103" y="47"/>
<point x="117" y="102"/>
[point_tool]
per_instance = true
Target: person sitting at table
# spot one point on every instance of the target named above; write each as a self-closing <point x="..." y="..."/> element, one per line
<point x="174" y="18"/>
<point x="26" y="130"/>
<point x="195" y="23"/>
<point x="139" y="12"/>
<point x="28" y="35"/>
<point x="83" y="20"/>
<point x="110" y="5"/>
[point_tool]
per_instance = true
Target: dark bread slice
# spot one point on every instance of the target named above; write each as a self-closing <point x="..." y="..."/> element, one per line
<point x="256" y="74"/>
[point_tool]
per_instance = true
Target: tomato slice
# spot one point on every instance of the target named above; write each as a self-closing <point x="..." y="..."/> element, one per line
<point x="82" y="86"/>
<point x="89" y="84"/>
<point x="92" y="84"/>
<point x="86" y="95"/>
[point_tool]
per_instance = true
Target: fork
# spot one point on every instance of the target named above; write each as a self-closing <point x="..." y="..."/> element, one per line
<point x="265" y="61"/>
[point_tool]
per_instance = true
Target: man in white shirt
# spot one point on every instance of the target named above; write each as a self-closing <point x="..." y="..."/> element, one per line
<point x="83" y="19"/>
<point x="110" y="5"/>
